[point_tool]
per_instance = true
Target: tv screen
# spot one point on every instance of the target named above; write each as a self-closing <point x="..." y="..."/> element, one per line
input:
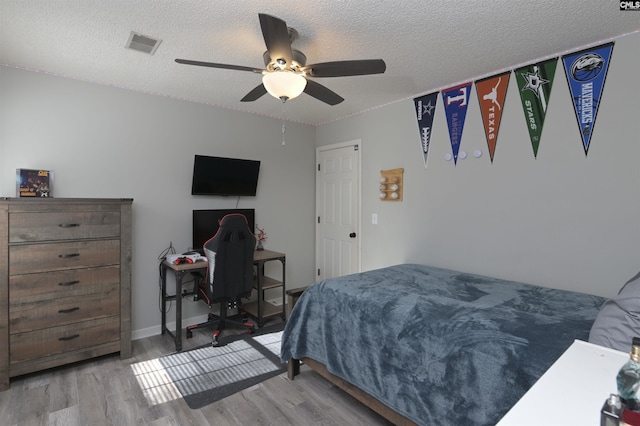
<point x="207" y="222"/>
<point x="224" y="176"/>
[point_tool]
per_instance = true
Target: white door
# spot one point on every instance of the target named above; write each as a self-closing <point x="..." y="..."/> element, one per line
<point x="338" y="210"/>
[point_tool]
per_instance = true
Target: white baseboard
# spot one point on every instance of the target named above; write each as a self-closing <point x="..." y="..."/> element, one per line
<point x="156" y="329"/>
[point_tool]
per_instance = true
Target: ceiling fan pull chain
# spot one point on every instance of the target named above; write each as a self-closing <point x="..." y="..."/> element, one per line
<point x="284" y="112"/>
<point x="283" y="130"/>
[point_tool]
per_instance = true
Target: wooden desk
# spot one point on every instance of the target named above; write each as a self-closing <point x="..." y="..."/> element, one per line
<point x="572" y="391"/>
<point x="257" y="309"/>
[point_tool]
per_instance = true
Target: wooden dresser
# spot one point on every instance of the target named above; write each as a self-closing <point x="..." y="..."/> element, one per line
<point x="65" y="282"/>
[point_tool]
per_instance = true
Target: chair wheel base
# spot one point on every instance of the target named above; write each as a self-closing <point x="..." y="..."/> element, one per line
<point x="215" y="341"/>
<point x="222" y="323"/>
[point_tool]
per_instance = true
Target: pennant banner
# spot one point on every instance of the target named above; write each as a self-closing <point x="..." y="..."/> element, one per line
<point x="586" y="73"/>
<point x="425" y="110"/>
<point x="534" y="82"/>
<point x="492" y="92"/>
<point x="456" y="102"/>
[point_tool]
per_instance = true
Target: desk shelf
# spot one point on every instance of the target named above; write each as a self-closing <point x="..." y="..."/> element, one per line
<point x="267" y="283"/>
<point x="269" y="310"/>
<point x="262" y="310"/>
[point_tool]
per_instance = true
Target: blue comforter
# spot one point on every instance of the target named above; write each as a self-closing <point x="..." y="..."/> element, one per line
<point x="438" y="346"/>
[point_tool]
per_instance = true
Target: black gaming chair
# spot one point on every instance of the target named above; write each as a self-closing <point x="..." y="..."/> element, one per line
<point x="229" y="274"/>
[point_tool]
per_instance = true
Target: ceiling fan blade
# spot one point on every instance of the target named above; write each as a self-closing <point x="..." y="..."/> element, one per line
<point x="346" y="68"/>
<point x="321" y="93"/>
<point x="276" y="38"/>
<point x="214" y="65"/>
<point x="255" y="94"/>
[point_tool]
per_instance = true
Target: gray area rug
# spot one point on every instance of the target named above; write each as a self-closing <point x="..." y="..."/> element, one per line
<point x="207" y="374"/>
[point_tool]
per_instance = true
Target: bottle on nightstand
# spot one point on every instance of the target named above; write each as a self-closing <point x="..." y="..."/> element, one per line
<point x="610" y="413"/>
<point x="628" y="378"/>
<point x="628" y="381"/>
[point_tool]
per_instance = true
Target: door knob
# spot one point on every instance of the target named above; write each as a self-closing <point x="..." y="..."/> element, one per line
<point x="352" y="235"/>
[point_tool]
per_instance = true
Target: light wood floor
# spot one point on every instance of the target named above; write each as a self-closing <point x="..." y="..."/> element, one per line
<point x="104" y="392"/>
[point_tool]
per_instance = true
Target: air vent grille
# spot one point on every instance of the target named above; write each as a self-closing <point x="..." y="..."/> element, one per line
<point x="143" y="43"/>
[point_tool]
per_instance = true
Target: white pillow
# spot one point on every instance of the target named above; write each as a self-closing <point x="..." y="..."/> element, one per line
<point x="618" y="321"/>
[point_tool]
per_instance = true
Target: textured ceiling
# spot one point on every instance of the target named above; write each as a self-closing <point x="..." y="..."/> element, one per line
<point x="427" y="45"/>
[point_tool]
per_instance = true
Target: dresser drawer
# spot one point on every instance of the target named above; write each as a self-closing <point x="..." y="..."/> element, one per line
<point x="34" y="258"/>
<point x="55" y="312"/>
<point x="29" y="288"/>
<point x="55" y="226"/>
<point x="57" y="340"/>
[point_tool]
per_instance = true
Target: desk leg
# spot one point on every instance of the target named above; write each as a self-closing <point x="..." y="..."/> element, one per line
<point x="260" y="271"/>
<point x="284" y="287"/>
<point x="163" y="291"/>
<point x="178" y="335"/>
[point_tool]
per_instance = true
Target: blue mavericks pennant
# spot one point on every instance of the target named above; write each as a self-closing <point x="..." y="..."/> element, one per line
<point x="425" y="110"/>
<point x="586" y="73"/>
<point x="456" y="102"/>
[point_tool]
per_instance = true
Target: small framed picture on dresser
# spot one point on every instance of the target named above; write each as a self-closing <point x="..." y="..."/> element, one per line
<point x="33" y="183"/>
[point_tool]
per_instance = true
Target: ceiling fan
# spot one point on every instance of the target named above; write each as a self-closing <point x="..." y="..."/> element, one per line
<point x="286" y="74"/>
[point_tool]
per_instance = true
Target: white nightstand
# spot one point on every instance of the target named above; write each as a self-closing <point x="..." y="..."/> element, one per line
<point x="572" y="391"/>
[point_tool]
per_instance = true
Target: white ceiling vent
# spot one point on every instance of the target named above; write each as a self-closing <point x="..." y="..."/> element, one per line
<point x="142" y="43"/>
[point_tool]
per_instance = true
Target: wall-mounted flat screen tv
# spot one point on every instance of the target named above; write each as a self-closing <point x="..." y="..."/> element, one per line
<point x="207" y="222"/>
<point x="224" y="176"/>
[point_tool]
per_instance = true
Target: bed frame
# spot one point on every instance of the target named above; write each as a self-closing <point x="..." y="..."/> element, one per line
<point x="293" y="369"/>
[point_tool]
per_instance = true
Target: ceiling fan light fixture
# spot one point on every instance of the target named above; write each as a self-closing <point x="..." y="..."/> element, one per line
<point x="284" y="85"/>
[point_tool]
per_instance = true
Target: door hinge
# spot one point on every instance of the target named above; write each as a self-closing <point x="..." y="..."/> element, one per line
<point x="356" y="147"/>
<point x="318" y="219"/>
<point x="318" y="166"/>
<point x="318" y="271"/>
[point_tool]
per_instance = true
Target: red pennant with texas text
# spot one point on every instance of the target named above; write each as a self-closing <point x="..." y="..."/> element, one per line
<point x="492" y="92"/>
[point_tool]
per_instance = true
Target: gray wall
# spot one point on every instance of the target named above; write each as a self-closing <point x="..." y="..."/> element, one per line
<point x="107" y="142"/>
<point x="562" y="220"/>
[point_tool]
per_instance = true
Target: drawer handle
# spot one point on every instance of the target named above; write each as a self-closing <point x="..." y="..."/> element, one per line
<point x="64" y="339"/>
<point x="68" y="311"/>
<point x="68" y="225"/>
<point x="68" y="283"/>
<point x="66" y="256"/>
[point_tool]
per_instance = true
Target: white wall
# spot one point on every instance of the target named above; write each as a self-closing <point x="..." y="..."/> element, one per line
<point x="107" y="142"/>
<point x="562" y="220"/>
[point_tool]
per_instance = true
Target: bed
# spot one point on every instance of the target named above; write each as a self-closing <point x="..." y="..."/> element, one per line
<point x="432" y="346"/>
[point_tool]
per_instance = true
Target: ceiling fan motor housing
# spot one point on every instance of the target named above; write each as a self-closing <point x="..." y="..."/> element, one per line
<point x="299" y="60"/>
